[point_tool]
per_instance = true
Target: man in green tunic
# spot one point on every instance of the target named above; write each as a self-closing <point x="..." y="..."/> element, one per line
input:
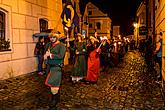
<point x="55" y="52"/>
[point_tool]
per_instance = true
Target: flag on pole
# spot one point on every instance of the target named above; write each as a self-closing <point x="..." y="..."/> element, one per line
<point x="69" y="16"/>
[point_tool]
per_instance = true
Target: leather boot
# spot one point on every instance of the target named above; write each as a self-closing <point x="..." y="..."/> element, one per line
<point x="55" y="100"/>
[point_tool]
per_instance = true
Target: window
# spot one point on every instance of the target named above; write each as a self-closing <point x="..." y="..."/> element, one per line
<point x="43" y="25"/>
<point x="98" y="25"/>
<point x="90" y="25"/>
<point x="89" y="12"/>
<point x="4" y="37"/>
<point x="2" y="25"/>
<point x="155" y="8"/>
<point x="86" y="19"/>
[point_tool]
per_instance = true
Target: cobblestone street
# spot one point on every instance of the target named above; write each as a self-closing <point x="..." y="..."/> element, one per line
<point x="129" y="86"/>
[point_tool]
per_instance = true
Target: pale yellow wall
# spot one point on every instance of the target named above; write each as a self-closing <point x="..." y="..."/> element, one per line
<point x="160" y="26"/>
<point x="141" y="14"/>
<point x="97" y="16"/>
<point x="116" y="30"/>
<point x="84" y="26"/>
<point x="23" y="22"/>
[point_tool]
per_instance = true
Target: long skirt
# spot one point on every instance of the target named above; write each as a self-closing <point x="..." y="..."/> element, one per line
<point x="80" y="69"/>
<point x="93" y="66"/>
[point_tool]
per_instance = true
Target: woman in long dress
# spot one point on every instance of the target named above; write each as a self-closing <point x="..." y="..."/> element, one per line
<point x="80" y="66"/>
<point x="93" y="61"/>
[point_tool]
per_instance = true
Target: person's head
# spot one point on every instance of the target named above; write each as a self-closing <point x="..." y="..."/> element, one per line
<point x="54" y="37"/>
<point x="79" y="37"/>
<point x="103" y="39"/>
<point x="93" y="39"/>
<point x="41" y="39"/>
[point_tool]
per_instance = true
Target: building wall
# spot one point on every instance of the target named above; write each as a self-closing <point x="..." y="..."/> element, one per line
<point x="96" y="16"/>
<point x="160" y="26"/>
<point x="141" y="21"/>
<point x="116" y="31"/>
<point x="84" y="22"/>
<point x="22" y="22"/>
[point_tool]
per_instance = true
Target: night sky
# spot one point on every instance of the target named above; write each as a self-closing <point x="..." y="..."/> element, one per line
<point x="121" y="12"/>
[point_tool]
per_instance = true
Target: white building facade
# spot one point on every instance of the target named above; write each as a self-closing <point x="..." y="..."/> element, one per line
<point x="19" y="20"/>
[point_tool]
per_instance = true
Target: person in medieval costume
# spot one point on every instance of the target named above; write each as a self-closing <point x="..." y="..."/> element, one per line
<point x="80" y="66"/>
<point x="55" y="52"/>
<point x="104" y="53"/>
<point x="93" y="60"/>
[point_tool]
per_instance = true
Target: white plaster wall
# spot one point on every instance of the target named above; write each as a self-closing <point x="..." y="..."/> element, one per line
<point x="18" y="21"/>
<point x="24" y="19"/>
<point x="19" y="51"/>
<point x="26" y="36"/>
<point x="5" y="57"/>
<point x="17" y="67"/>
<point x="6" y="72"/>
<point x="13" y="3"/>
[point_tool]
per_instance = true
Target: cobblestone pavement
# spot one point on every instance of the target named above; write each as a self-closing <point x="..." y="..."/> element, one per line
<point x="129" y="86"/>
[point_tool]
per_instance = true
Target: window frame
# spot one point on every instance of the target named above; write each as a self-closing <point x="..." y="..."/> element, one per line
<point x="98" y="26"/>
<point x="3" y="34"/>
<point x="7" y="29"/>
<point x="90" y="25"/>
<point x="89" y="12"/>
<point x="43" y="20"/>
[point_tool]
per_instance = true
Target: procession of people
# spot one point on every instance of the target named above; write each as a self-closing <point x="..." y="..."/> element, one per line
<point x="91" y="56"/>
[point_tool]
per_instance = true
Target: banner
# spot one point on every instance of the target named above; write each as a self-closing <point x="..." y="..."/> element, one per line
<point x="69" y="16"/>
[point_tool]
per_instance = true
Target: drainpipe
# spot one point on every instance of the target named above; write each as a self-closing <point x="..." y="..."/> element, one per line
<point x="153" y="26"/>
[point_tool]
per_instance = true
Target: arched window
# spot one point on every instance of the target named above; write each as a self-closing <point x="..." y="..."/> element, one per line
<point x="43" y="25"/>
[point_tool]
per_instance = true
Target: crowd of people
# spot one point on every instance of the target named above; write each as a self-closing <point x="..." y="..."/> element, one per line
<point x="89" y="58"/>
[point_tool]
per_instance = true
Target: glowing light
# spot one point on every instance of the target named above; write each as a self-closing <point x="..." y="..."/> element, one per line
<point x="119" y="43"/>
<point x="135" y="25"/>
<point x="115" y="44"/>
<point x="104" y="38"/>
<point x="66" y="28"/>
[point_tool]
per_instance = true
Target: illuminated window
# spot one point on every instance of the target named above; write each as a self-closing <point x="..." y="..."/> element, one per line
<point x="43" y="25"/>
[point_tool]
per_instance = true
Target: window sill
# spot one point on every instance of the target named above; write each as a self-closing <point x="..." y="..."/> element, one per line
<point x="5" y="51"/>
